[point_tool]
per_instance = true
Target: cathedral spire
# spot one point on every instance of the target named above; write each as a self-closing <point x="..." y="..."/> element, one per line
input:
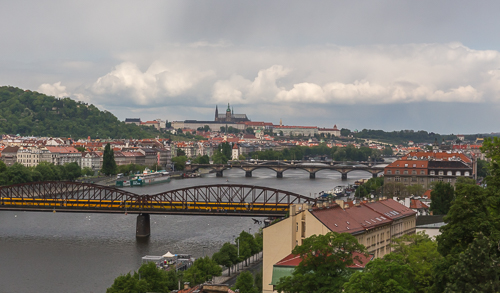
<point x="216" y="113"/>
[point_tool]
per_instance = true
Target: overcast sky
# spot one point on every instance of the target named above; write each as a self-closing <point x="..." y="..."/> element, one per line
<point x="391" y="65"/>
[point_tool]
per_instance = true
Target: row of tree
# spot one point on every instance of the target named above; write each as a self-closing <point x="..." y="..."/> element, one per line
<point x="151" y="279"/>
<point x="348" y="153"/>
<point x="44" y="171"/>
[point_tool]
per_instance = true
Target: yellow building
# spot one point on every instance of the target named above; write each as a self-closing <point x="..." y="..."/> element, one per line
<point x="373" y="224"/>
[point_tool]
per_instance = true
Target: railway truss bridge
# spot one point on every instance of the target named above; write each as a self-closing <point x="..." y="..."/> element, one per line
<point x="215" y="199"/>
<point x="279" y="167"/>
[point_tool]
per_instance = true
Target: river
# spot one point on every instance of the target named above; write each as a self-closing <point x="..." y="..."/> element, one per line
<point x="72" y="252"/>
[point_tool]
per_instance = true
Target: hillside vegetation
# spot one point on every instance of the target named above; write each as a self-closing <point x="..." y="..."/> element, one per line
<point x="31" y="113"/>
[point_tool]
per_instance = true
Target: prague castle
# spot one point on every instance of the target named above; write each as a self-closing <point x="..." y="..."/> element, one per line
<point x="229" y="116"/>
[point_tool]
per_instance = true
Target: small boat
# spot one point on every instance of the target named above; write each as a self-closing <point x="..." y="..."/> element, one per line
<point x="169" y="261"/>
<point x="191" y="175"/>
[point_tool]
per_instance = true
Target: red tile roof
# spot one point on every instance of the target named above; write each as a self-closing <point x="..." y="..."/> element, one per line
<point x="417" y="204"/>
<point x="390" y="208"/>
<point x="438" y="156"/>
<point x="350" y="220"/>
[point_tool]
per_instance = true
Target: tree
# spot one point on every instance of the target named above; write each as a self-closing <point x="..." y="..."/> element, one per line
<point x="88" y="171"/>
<point x="18" y="173"/>
<point x="245" y="283"/>
<point x="381" y="276"/>
<point x="181" y="153"/>
<point x="226" y="149"/>
<point x="147" y="279"/>
<point x="416" y="189"/>
<point x="226" y="256"/>
<point x="219" y="157"/>
<point x="407" y="269"/>
<point x="202" y="270"/>
<point x="179" y="163"/>
<point x="476" y="269"/>
<point x="442" y="197"/>
<point x="323" y="268"/>
<point x="47" y="170"/>
<point x="81" y="149"/>
<point x="73" y="171"/>
<point x="108" y="161"/>
<point x="474" y="212"/>
<point x="482" y="168"/>
<point x="387" y="151"/>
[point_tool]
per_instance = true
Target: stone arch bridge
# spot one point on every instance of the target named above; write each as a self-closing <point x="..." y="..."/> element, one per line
<point x="281" y="167"/>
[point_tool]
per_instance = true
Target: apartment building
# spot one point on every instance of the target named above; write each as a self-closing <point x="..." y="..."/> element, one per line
<point x="373" y="224"/>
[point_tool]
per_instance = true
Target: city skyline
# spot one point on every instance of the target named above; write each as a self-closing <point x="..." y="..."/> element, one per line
<point x="388" y="65"/>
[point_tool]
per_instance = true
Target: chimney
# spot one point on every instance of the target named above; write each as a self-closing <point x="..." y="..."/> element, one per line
<point x="186" y="285"/>
<point x="340" y="203"/>
<point x="407" y="202"/>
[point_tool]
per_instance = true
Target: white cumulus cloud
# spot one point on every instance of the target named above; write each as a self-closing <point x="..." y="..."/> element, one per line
<point x="55" y="89"/>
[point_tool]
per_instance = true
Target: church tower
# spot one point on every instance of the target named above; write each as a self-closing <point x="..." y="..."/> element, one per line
<point x="216" y="114"/>
<point x="228" y="113"/>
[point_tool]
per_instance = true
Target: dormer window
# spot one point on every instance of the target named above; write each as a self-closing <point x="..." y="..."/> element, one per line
<point x="466" y="173"/>
<point x="406" y="165"/>
<point x="432" y="173"/>
<point x="458" y="173"/>
<point x="441" y="173"/>
<point x="414" y="165"/>
<point x="449" y="173"/>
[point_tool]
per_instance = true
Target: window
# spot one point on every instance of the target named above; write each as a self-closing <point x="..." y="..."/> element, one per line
<point x="397" y="179"/>
<point x="440" y="173"/>
<point x="406" y="165"/>
<point x="432" y="173"/>
<point x="397" y="172"/>
<point x="422" y="172"/>
<point x="297" y="227"/>
<point x="389" y="172"/>
<point x="466" y="173"/>
<point x="449" y="173"/>
<point x="414" y="165"/>
<point x="414" y="172"/>
<point x="405" y="172"/>
<point x="458" y="173"/>
<point x="440" y="179"/>
<point x="414" y="179"/>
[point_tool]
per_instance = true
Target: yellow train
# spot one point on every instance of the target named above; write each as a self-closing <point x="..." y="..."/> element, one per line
<point x="132" y="205"/>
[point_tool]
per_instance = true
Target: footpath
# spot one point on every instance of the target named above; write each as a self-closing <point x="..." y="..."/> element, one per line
<point x="236" y="269"/>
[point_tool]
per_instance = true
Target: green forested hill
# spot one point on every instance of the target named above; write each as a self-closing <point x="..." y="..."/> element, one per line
<point x="31" y="113"/>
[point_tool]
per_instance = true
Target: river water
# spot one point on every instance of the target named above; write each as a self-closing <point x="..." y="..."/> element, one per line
<point x="71" y="252"/>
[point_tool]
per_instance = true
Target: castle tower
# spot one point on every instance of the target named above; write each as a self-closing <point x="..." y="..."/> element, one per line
<point x="228" y="113"/>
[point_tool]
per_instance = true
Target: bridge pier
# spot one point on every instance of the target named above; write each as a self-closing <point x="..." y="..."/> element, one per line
<point x="248" y="173"/>
<point x="279" y="174"/>
<point x="344" y="176"/>
<point x="312" y="175"/>
<point x="218" y="174"/>
<point x="143" y="227"/>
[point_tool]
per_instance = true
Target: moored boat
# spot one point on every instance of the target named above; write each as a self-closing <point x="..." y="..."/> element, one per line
<point x="146" y="178"/>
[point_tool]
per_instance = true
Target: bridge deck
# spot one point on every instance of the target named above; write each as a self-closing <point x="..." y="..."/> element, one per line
<point x="133" y="207"/>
